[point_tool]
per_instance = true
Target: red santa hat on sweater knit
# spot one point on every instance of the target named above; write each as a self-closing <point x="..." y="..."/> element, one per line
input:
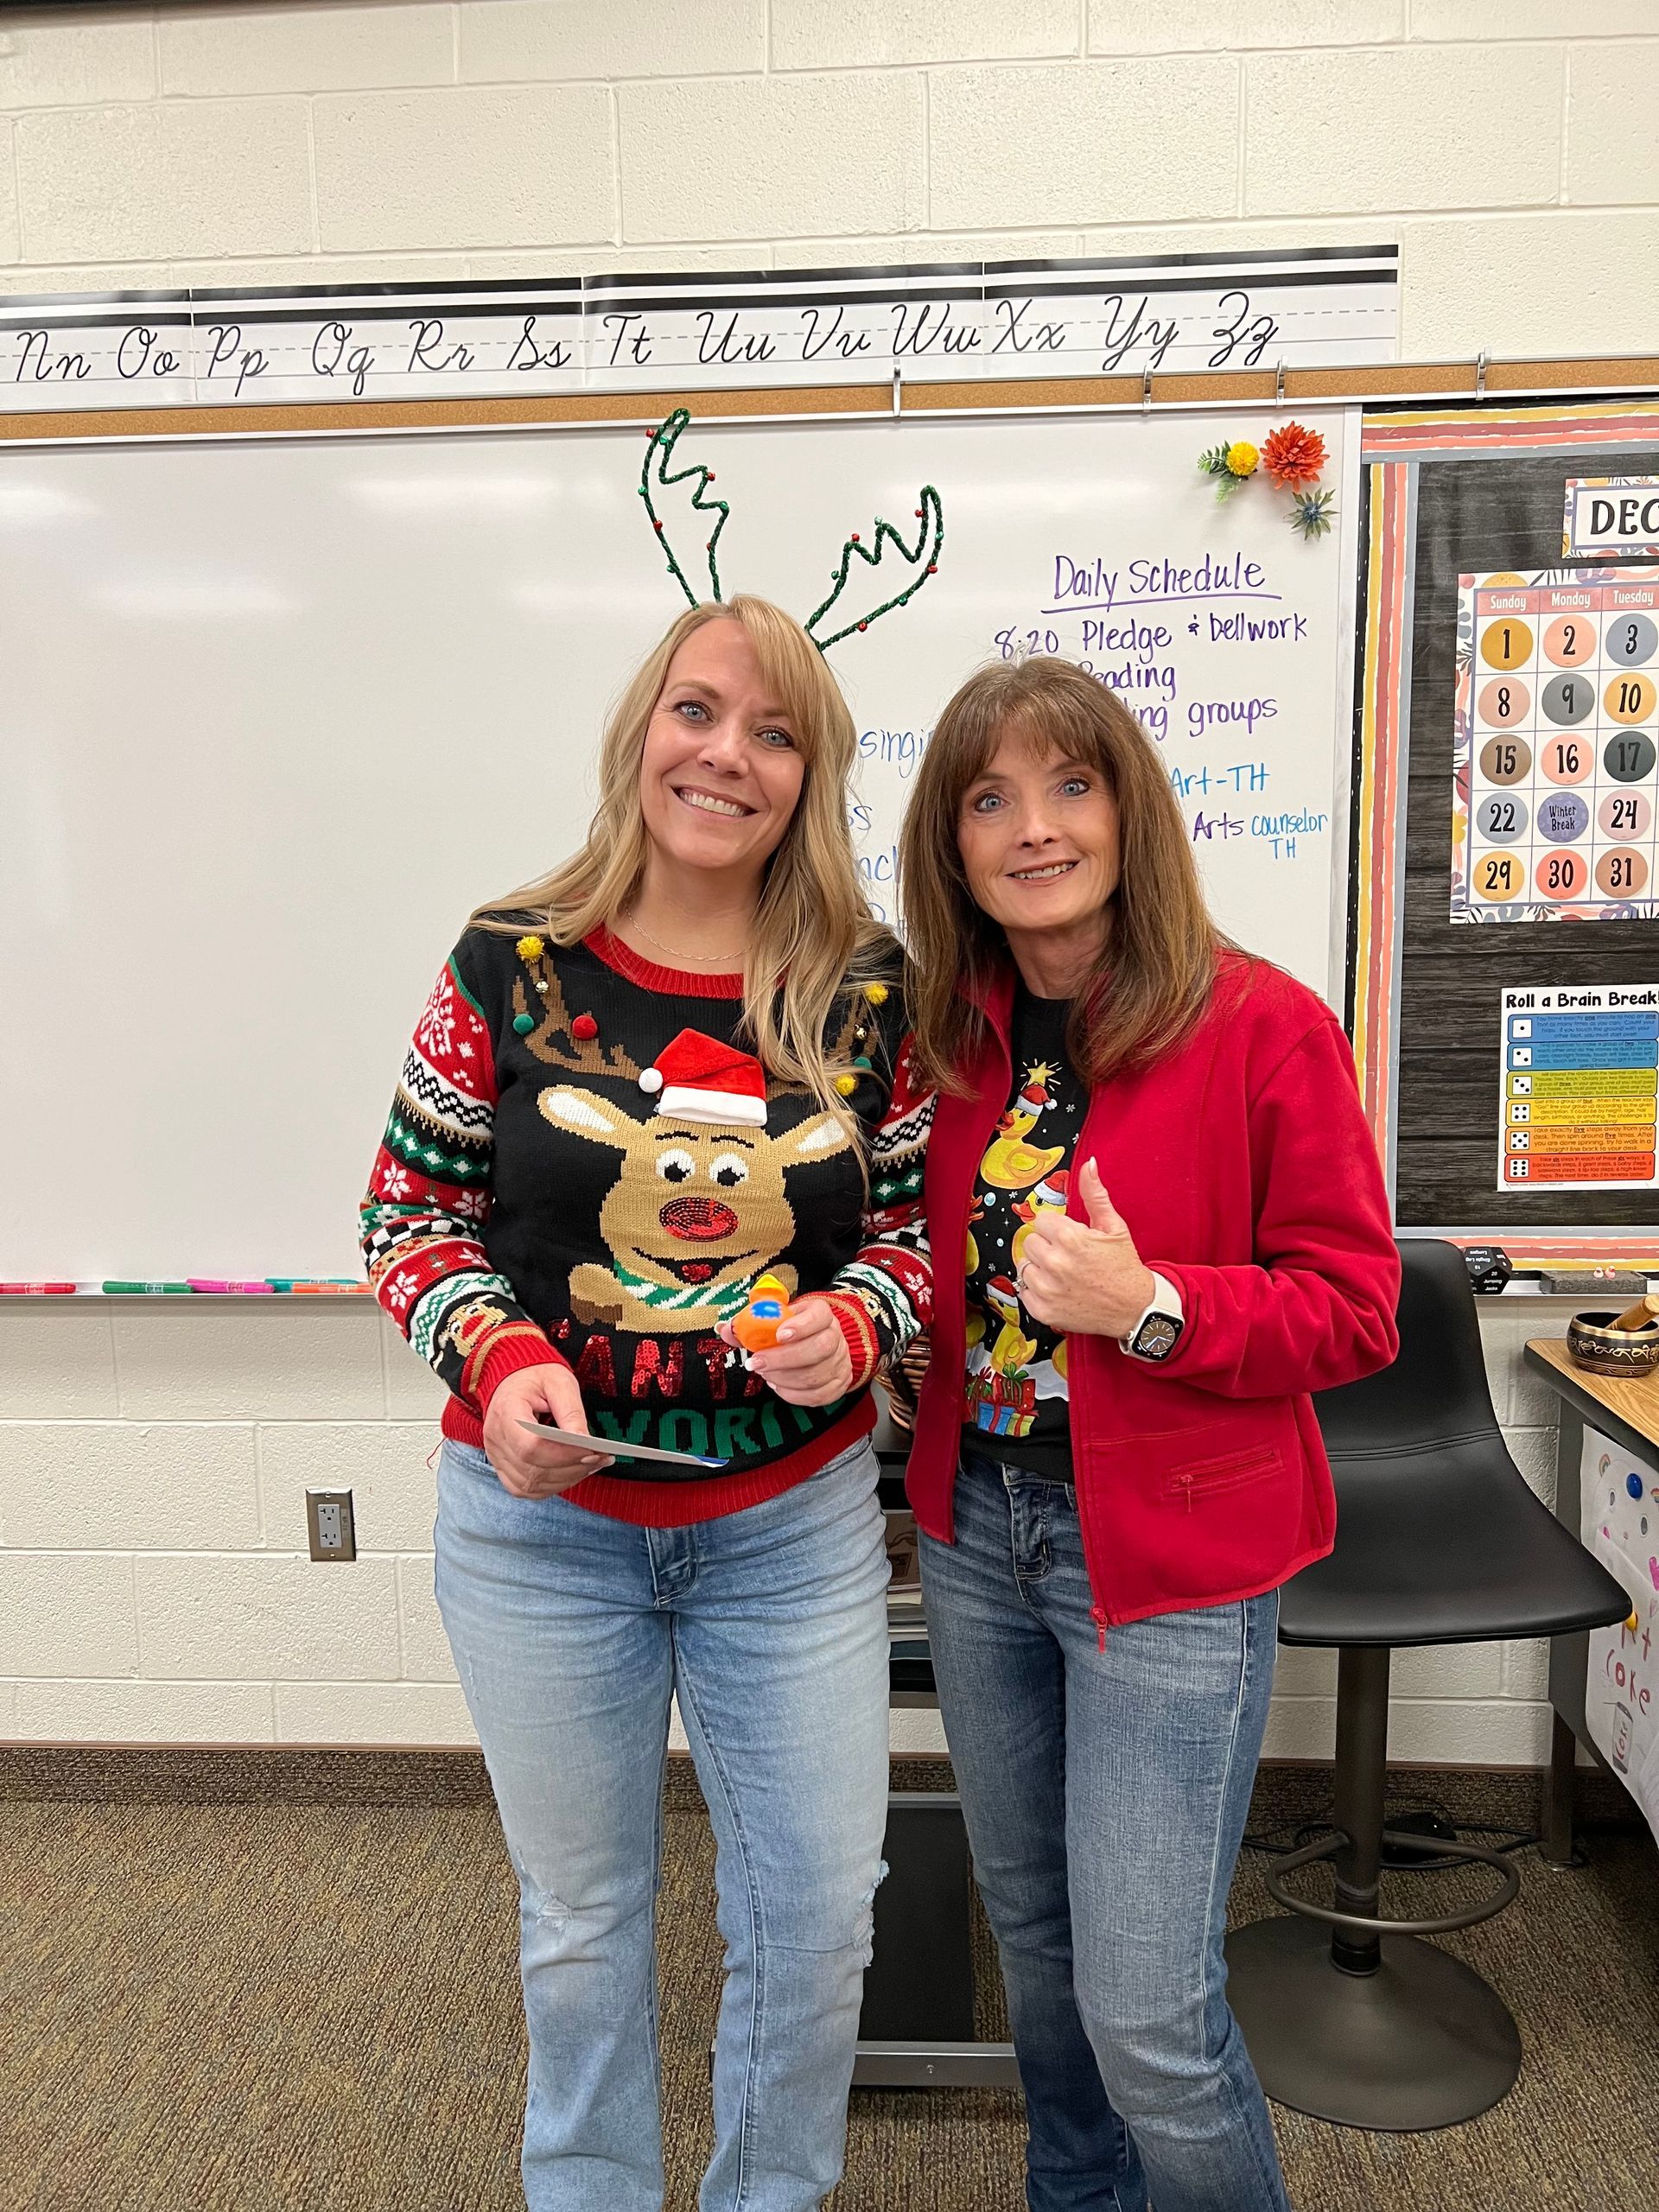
<point x="703" y="1080"/>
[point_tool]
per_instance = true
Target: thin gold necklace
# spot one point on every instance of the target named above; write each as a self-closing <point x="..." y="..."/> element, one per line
<point x="699" y="959"/>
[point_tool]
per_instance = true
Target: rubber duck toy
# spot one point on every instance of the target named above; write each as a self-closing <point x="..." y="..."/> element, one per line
<point x="1010" y="1162"/>
<point x="756" y="1327"/>
<point x="976" y="1215"/>
<point x="1049" y="1196"/>
<point x="1013" y="1347"/>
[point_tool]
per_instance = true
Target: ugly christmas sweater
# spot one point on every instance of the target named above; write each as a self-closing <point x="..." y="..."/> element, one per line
<point x="582" y="1164"/>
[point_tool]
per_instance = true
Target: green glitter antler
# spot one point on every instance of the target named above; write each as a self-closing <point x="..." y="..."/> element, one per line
<point x="655" y="477"/>
<point x="920" y="565"/>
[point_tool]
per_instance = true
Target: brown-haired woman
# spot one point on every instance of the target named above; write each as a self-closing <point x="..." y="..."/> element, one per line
<point x="1150" y="1147"/>
<point x="672" y="1064"/>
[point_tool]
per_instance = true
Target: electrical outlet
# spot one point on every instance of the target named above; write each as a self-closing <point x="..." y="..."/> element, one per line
<point x="332" y="1526"/>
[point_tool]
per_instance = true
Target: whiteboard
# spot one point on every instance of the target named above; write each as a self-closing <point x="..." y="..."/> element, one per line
<point x="278" y="712"/>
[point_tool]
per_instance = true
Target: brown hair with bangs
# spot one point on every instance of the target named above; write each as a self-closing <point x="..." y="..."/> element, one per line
<point x="1153" y="977"/>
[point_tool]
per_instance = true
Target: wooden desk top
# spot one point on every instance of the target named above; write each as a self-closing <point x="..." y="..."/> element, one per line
<point x="1636" y="1403"/>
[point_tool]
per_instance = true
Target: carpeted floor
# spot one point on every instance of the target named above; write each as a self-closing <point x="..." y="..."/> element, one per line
<point x="240" y="2007"/>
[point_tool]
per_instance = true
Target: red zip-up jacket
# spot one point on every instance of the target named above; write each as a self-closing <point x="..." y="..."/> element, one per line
<point x="1244" y="1169"/>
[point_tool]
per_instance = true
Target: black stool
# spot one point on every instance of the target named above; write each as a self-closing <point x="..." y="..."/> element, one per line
<point x="1348" y="2017"/>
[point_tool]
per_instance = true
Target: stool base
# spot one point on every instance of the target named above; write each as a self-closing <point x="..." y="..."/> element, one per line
<point x="1422" y="2042"/>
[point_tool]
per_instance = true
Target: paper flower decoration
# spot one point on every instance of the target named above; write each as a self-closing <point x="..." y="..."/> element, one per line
<point x="1293" y="457"/>
<point x="1242" y="458"/>
<point x="1311" y="513"/>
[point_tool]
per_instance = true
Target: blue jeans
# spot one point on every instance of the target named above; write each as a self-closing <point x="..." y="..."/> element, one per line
<point x="1105" y="1794"/>
<point x="571" y="1632"/>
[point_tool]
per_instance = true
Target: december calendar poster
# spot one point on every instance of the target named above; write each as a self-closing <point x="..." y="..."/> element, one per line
<point x="1554" y="759"/>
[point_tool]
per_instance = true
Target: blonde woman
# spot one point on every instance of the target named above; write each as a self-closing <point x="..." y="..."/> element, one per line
<point x="671" y="1065"/>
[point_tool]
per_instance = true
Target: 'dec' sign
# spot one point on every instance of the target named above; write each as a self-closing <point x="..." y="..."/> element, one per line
<point x="1610" y="514"/>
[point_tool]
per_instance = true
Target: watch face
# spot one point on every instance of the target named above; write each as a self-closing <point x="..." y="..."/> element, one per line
<point x="1157" y="1337"/>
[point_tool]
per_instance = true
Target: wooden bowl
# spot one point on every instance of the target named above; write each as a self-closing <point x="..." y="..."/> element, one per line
<point x="1592" y="1343"/>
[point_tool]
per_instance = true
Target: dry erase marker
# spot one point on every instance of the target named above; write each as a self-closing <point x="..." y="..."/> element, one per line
<point x="38" y="1289"/>
<point x="207" y="1282"/>
<point x="141" y="1289"/>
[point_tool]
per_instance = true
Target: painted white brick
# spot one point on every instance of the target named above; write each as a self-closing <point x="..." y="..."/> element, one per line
<point x="1533" y="1450"/>
<point x="425" y="1647"/>
<point x="1172" y="26"/>
<point x="180" y="177"/>
<point x="1500" y="1348"/>
<point x="259" y="1361"/>
<point x="1526" y="1670"/>
<point x="782" y="156"/>
<point x="1447" y="1670"/>
<point x="1304" y="1670"/>
<point x="145" y="1713"/>
<point x="1532" y="1404"/>
<point x="116" y="1486"/>
<point x="382" y="1464"/>
<point x="932" y="245"/>
<point x="321" y="269"/>
<point x="413" y="1390"/>
<point x="1500" y="283"/>
<point x="430" y="1714"/>
<point x="10" y="234"/>
<point x="1494" y="20"/>
<point x="871" y="34"/>
<point x="1301" y="1728"/>
<point x="1457" y="1733"/>
<point x="57" y="1361"/>
<point x="519" y="40"/>
<point x="56" y="61"/>
<point x="1612" y="142"/>
<point x="66" y="1613"/>
<point x="616" y="260"/>
<point x="215" y="1617"/>
<point x="464" y="168"/>
<point x="81" y="275"/>
<point x="1102" y="142"/>
<point x="1243" y="234"/>
<point x="289" y="50"/>
<point x="1450" y="127"/>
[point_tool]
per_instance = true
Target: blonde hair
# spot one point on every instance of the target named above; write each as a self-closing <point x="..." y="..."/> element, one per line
<point x="814" y="930"/>
<point x="1154" y="973"/>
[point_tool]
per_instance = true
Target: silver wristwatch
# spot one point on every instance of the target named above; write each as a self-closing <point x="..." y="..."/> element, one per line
<point x="1158" y="1331"/>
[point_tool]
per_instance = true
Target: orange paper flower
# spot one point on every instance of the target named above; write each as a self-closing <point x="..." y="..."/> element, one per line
<point x="1293" y="455"/>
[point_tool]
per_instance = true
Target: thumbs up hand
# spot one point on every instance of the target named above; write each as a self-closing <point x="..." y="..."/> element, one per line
<point x="1085" y="1281"/>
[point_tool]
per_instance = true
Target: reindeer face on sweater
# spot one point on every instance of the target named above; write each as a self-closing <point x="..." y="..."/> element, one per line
<point x="697" y="1212"/>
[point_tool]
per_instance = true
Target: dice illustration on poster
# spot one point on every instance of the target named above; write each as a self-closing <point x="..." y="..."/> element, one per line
<point x="1555" y="767"/>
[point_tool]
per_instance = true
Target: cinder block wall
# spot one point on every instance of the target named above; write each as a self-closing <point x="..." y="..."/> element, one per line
<point x="153" y="1581"/>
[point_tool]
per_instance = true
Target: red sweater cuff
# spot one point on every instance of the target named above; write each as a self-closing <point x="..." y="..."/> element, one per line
<point x="518" y="1345"/>
<point x="857" y="1327"/>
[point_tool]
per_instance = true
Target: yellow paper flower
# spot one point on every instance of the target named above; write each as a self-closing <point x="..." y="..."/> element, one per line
<point x="1242" y="458"/>
<point x="876" y="994"/>
<point x="531" y="948"/>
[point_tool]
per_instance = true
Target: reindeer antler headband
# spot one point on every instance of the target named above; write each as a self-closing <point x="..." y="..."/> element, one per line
<point x="657" y="486"/>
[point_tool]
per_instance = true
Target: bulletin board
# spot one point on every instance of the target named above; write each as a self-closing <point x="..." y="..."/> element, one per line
<point x="1506" y="932"/>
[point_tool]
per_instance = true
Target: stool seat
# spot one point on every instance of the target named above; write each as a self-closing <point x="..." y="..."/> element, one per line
<point x="1441" y="1544"/>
